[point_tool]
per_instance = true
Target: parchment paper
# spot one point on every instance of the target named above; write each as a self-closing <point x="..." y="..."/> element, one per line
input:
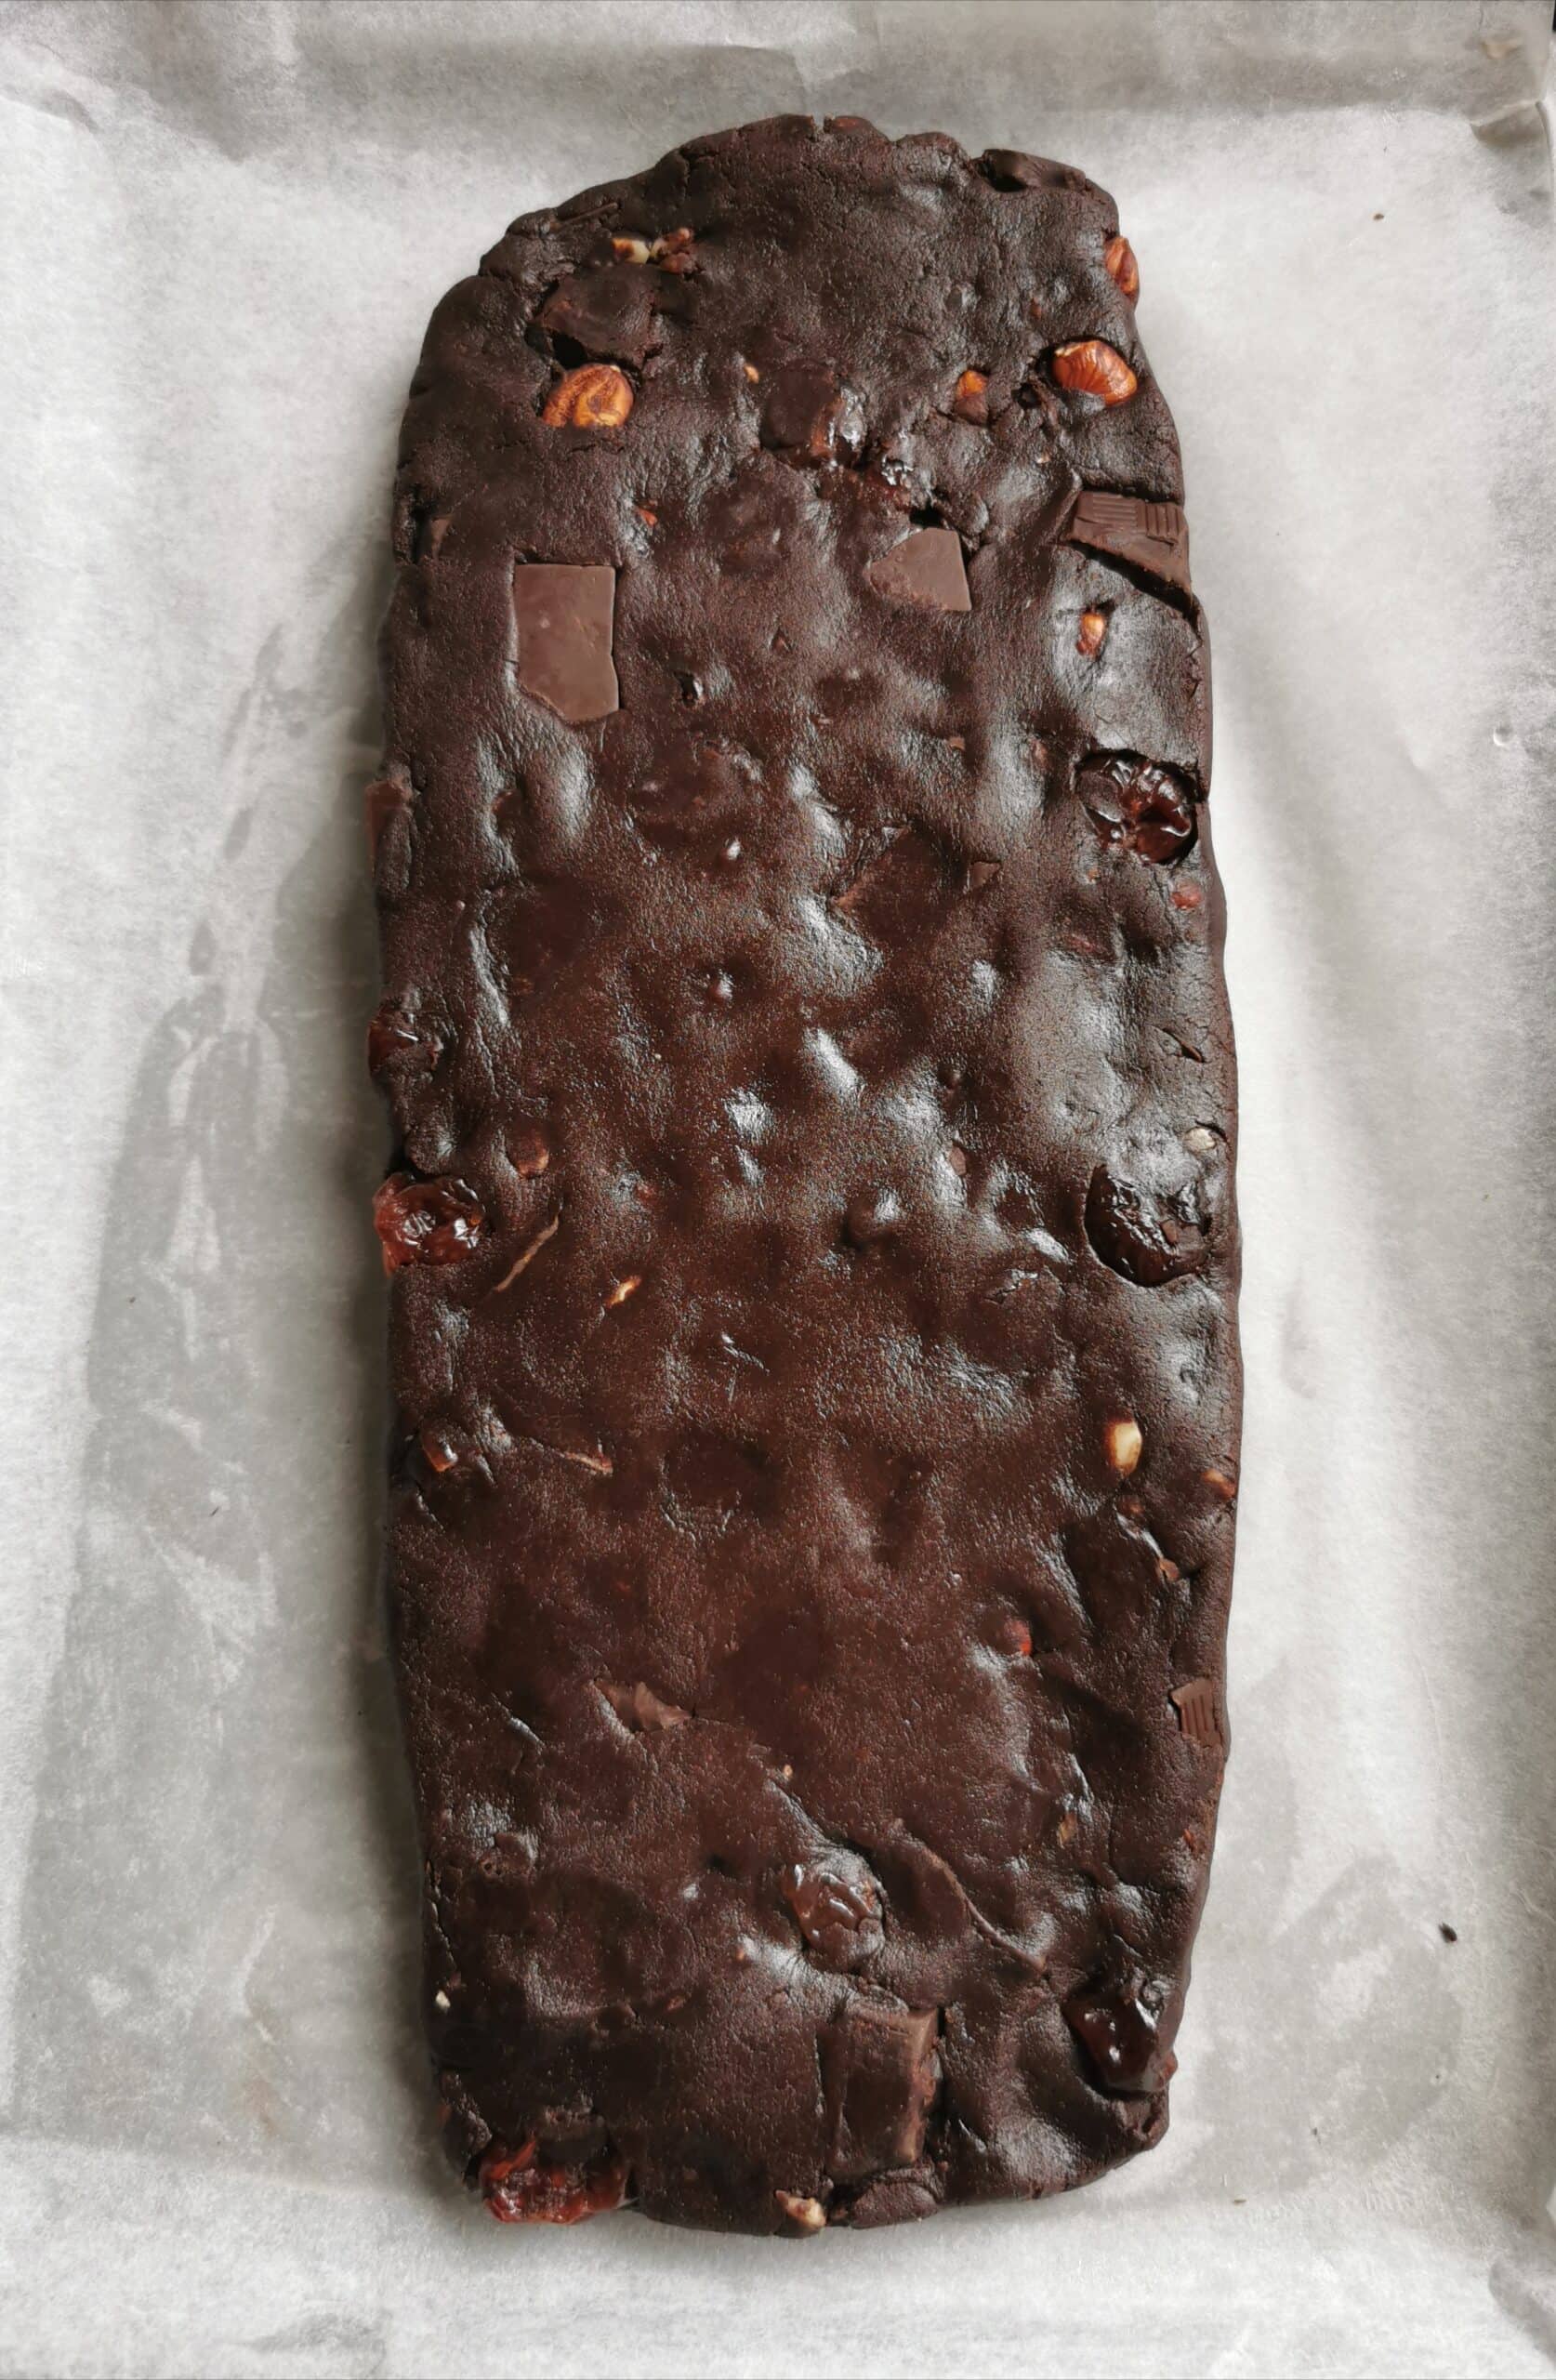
<point x="224" y="228"/>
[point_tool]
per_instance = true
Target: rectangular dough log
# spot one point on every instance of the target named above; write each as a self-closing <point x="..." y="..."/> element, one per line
<point x="812" y="1250"/>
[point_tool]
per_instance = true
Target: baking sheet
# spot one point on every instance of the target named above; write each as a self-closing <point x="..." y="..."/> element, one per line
<point x="224" y="228"/>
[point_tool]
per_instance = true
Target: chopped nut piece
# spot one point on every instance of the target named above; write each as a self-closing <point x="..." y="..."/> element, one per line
<point x="383" y="801"/>
<point x="600" y="1463"/>
<point x="957" y="1159"/>
<point x="1202" y="1140"/>
<point x="1124" y="1441"/>
<point x="438" y="1451"/>
<point x="527" y="1255"/>
<point x="1196" y="1706"/>
<point x="648" y="518"/>
<point x="1223" y="1486"/>
<point x="624" y="1289"/>
<point x="972" y="400"/>
<point x="597" y="396"/>
<point x="1090" y="367"/>
<point x="751" y="371"/>
<point x="1119" y="258"/>
<point x="529" y="1157"/>
<point x="809" y="2213"/>
<point x="635" y="251"/>
<point x="640" y="1708"/>
<point x="1093" y="629"/>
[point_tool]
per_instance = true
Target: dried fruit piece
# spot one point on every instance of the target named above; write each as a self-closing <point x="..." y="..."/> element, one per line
<point x="1147" y="1236"/>
<point x="596" y="396"/>
<point x="1093" y="629"/>
<point x="1090" y="367"/>
<point x="1146" y="809"/>
<point x="835" y="1906"/>
<point x="520" y="2186"/>
<point x="439" y="1222"/>
<point x="809" y="2213"/>
<point x="972" y="400"/>
<point x="1120" y="2030"/>
<point x="1123" y="1442"/>
<point x="1119" y="258"/>
<point x="389" y="1035"/>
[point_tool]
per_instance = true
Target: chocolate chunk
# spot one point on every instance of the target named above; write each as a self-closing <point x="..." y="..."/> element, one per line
<point x="564" y="614"/>
<point x="903" y="889"/>
<point x="1013" y="169"/>
<point x="893" y="2197"/>
<point x="806" y="411"/>
<point x="1153" y="537"/>
<point x="800" y="1423"/>
<point x="878" y="2071"/>
<point x="608" y="311"/>
<point x="926" y="569"/>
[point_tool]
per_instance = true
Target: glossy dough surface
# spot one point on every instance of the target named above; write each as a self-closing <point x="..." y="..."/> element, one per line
<point x="810" y="1228"/>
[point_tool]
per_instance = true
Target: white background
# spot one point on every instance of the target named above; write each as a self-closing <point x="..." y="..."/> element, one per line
<point x="224" y="227"/>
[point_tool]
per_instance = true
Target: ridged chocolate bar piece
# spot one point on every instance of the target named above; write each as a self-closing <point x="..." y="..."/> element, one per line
<point x="810" y="1227"/>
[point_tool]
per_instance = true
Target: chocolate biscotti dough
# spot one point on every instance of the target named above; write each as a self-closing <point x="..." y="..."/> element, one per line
<point x="810" y="1229"/>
